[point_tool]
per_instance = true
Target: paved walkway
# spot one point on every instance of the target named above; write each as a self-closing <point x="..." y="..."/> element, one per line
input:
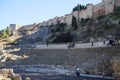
<point x="38" y="76"/>
<point x="65" y="46"/>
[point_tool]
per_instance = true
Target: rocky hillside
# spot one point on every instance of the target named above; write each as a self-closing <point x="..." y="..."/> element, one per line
<point x="91" y="29"/>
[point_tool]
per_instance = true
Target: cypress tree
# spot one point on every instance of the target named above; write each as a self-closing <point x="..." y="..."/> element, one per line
<point x="74" y="23"/>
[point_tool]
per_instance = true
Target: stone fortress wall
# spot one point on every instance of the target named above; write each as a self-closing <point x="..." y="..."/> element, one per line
<point x="98" y="9"/>
<point x="103" y="8"/>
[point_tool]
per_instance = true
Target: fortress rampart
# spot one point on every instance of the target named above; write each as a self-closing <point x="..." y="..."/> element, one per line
<point x="103" y="8"/>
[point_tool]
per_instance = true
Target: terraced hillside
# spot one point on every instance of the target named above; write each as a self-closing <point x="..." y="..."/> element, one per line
<point x="84" y="58"/>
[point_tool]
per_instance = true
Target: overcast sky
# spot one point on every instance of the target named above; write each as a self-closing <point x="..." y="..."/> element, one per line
<point x="25" y="12"/>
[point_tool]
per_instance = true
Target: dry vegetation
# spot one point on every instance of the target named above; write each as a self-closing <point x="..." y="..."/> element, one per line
<point x="116" y="68"/>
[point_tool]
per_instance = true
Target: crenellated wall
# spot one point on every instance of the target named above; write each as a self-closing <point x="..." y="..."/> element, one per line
<point x="103" y="8"/>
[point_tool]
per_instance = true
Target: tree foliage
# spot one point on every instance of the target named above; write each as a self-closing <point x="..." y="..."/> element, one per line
<point x="8" y="31"/>
<point x="84" y="21"/>
<point x="60" y="37"/>
<point x="79" y="7"/>
<point x="5" y="33"/>
<point x="59" y="27"/>
<point x="74" y="23"/>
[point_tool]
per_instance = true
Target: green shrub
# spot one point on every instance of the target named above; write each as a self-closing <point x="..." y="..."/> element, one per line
<point x="119" y="21"/>
<point x="100" y="17"/>
<point x="107" y="26"/>
<point x="116" y="14"/>
<point x="60" y="37"/>
<point x="117" y="9"/>
<point x="74" y="23"/>
<point x="84" y="21"/>
<point x="68" y="28"/>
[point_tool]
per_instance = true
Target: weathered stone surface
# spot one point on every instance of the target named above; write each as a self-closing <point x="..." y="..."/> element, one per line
<point x="8" y="74"/>
<point x="86" y="59"/>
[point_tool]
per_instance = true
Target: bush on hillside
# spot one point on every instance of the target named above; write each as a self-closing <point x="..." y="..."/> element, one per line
<point x="100" y="17"/>
<point x="117" y="10"/>
<point x="83" y="21"/>
<point x="60" y="38"/>
<point x="68" y="28"/>
<point x="115" y="15"/>
<point x="107" y="26"/>
<point x="59" y="27"/>
<point x="9" y="40"/>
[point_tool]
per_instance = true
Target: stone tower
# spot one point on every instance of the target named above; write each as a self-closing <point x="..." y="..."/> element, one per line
<point x="109" y="6"/>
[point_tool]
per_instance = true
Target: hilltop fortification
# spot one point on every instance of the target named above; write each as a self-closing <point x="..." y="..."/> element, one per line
<point x="103" y="8"/>
<point x="40" y="32"/>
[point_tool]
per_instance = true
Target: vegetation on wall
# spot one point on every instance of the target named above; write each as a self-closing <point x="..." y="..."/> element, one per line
<point x="79" y="7"/>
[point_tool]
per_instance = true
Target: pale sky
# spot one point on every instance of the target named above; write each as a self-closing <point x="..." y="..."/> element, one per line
<point x="24" y="12"/>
